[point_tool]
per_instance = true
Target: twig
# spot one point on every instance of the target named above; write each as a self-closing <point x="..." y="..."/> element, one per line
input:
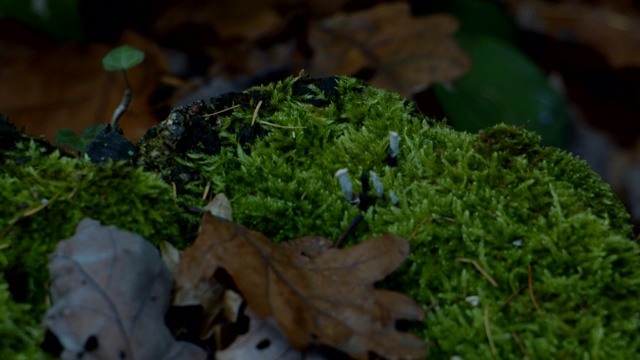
<point x="281" y="126"/>
<point x="175" y="190"/>
<point x="206" y="190"/>
<point x="530" y="281"/>
<point x="480" y="269"/>
<point x="423" y="221"/>
<point x="487" y="329"/>
<point x="510" y="299"/>
<point x="520" y="344"/>
<point x="255" y="112"/>
<point x="221" y="111"/>
<point x="351" y="226"/>
<point x="40" y="207"/>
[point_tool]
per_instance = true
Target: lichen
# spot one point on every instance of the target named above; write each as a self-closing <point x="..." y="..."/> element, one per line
<point x="546" y="229"/>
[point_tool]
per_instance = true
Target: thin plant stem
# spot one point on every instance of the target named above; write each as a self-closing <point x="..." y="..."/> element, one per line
<point x="124" y="103"/>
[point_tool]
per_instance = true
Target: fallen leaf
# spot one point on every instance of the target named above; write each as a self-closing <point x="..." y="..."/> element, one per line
<point x="220" y="206"/>
<point x="207" y="291"/>
<point x="316" y="294"/>
<point x="110" y="291"/>
<point x="407" y="53"/>
<point x="263" y="341"/>
<point x="614" y="33"/>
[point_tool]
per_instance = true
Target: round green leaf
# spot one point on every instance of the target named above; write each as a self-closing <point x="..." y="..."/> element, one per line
<point x="504" y="86"/>
<point x="122" y="58"/>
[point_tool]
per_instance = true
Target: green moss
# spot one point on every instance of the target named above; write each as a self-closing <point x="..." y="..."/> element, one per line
<point x="19" y="330"/>
<point x="113" y="193"/>
<point x="498" y="198"/>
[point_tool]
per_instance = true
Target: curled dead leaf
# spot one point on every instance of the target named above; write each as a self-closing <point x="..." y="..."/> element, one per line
<point x="110" y="291"/>
<point x="316" y="294"/>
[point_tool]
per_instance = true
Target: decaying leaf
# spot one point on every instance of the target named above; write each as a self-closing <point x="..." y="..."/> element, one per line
<point x="316" y="294"/>
<point x="202" y="291"/>
<point x="613" y="33"/>
<point x="263" y="341"/>
<point x="110" y="291"/>
<point x="407" y="53"/>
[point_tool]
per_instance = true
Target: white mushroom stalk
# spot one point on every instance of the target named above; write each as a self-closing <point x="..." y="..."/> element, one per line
<point x="347" y="190"/>
<point x="394" y="144"/>
<point x="377" y="185"/>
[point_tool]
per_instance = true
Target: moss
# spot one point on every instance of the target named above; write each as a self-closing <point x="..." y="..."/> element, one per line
<point x="114" y="193"/>
<point x="19" y="331"/>
<point x="497" y="198"/>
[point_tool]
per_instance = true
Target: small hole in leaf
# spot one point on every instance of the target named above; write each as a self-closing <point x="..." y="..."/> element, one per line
<point x="51" y="344"/>
<point x="91" y="343"/>
<point x="403" y="325"/>
<point x="263" y="344"/>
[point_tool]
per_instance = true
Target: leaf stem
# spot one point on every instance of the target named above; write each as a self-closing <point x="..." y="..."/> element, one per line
<point x="124" y="103"/>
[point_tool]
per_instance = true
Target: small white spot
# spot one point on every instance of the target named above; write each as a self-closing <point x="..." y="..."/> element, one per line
<point x="517" y="243"/>
<point x="345" y="183"/>
<point x="473" y="300"/>
<point x="394" y="144"/>
<point x="377" y="184"/>
<point x="393" y="197"/>
<point x="44" y="201"/>
<point x="456" y="357"/>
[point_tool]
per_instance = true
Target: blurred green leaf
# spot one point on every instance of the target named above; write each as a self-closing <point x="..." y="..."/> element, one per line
<point x="478" y="17"/>
<point x="58" y="18"/>
<point x="504" y="86"/>
<point x="67" y="136"/>
<point x="122" y="58"/>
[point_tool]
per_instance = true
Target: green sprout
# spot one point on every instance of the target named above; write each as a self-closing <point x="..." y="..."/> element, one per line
<point x="121" y="59"/>
<point x="67" y="136"/>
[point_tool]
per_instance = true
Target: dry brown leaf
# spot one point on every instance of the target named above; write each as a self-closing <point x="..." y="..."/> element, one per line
<point x="407" y="53"/>
<point x="241" y="20"/>
<point x="110" y="291"/>
<point x="45" y="88"/>
<point x="613" y="33"/>
<point x="317" y="294"/>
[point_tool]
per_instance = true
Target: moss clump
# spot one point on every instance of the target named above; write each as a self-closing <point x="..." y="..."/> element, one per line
<point x="497" y="198"/>
<point x="34" y="174"/>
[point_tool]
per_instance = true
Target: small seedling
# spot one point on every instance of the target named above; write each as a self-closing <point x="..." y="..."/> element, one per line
<point x="68" y="137"/>
<point x="121" y="59"/>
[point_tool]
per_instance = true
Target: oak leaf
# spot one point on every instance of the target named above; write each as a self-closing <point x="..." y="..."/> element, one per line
<point x="407" y="54"/>
<point x="110" y="291"/>
<point x="316" y="294"/>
